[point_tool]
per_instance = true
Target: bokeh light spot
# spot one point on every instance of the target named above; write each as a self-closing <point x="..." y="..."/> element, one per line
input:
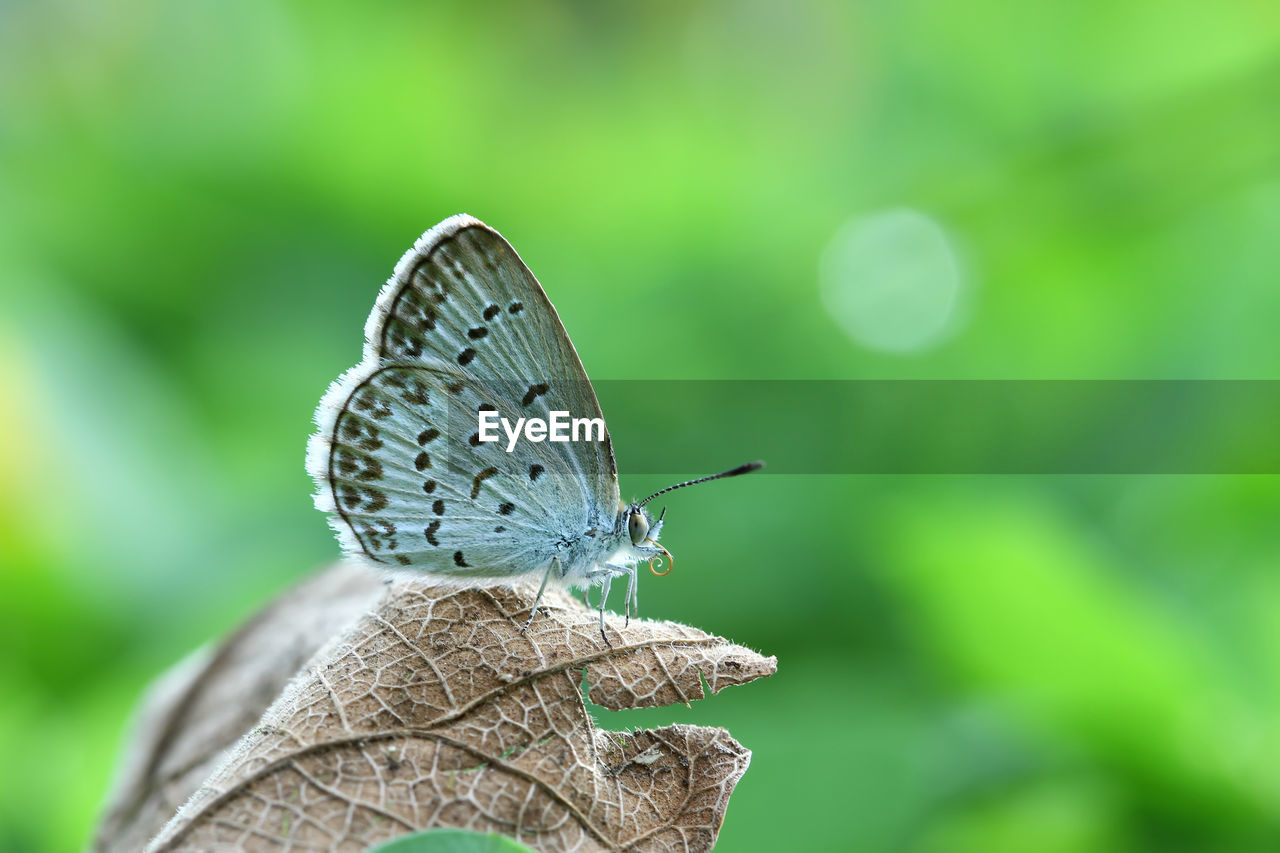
<point x="891" y="280"/>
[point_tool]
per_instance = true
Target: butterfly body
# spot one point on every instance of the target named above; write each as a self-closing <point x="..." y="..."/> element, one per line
<point x="463" y="328"/>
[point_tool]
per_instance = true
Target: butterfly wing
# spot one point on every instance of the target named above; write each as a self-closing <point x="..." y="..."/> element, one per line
<point x="462" y="325"/>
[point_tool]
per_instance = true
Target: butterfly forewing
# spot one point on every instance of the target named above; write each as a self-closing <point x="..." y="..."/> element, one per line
<point x="463" y="296"/>
<point x="462" y="326"/>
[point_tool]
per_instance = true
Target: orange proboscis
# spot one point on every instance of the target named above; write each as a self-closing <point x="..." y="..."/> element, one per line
<point x="671" y="564"/>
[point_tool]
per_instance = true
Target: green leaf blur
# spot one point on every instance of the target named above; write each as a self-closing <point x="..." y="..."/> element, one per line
<point x="199" y="201"/>
<point x="450" y="841"/>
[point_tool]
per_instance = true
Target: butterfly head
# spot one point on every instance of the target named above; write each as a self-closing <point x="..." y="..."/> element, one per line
<point x="643" y="531"/>
<point x="640" y="526"/>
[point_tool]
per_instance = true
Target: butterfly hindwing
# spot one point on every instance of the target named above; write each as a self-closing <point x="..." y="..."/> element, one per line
<point x="415" y="487"/>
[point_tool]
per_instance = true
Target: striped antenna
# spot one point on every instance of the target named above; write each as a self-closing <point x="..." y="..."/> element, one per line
<point x="733" y="472"/>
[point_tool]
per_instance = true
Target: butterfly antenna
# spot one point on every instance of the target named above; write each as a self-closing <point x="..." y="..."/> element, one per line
<point x="733" y="472"/>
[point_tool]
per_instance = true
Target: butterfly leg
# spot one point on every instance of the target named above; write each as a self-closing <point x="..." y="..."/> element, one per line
<point x="607" y="573"/>
<point x="555" y="562"/>
<point x="604" y="596"/>
<point x="633" y="597"/>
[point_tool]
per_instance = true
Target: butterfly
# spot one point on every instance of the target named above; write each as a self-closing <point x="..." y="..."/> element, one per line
<point x="460" y="332"/>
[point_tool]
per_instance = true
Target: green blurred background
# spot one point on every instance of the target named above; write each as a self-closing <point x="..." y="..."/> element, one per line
<point x="199" y="202"/>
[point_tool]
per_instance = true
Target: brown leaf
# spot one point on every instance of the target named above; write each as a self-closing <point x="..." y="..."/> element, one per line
<point x="434" y="710"/>
<point x="197" y="710"/>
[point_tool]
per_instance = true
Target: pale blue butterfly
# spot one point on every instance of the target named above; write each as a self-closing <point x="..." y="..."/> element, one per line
<point x="463" y="327"/>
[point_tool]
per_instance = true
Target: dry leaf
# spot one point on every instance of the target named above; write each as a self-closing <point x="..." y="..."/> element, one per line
<point x="434" y="710"/>
<point x="200" y="708"/>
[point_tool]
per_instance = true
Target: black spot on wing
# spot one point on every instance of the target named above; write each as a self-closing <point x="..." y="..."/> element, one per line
<point x="535" y="471"/>
<point x="477" y="333"/>
<point x="372" y="470"/>
<point x="454" y="388"/>
<point x="429" y="486"/>
<point x="355" y="430"/>
<point x="430" y="533"/>
<point x="422" y="461"/>
<point x="464" y="358"/>
<point x="417" y="395"/>
<point x="535" y="391"/>
<point x="459" y="561"/>
<point x="506" y="508"/>
<point x="437" y="506"/>
<point x="515" y="307"/>
<point x="420" y="313"/>
<point x="491" y="312"/>
<point x="376" y="500"/>
<point x="479" y="479"/>
<point x="403" y="559"/>
<point x="428" y="435"/>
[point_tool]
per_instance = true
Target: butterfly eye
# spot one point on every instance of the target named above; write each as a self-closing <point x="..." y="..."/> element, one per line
<point x="638" y="527"/>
